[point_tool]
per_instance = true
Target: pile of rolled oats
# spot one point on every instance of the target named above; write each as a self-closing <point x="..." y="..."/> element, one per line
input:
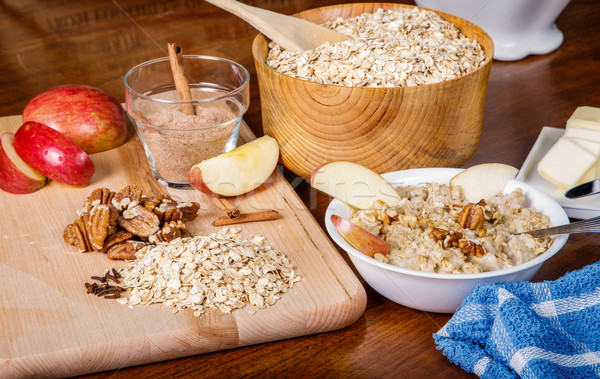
<point x="393" y="48"/>
<point x="223" y="270"/>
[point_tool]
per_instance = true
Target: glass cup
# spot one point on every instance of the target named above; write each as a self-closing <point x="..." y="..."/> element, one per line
<point x="173" y="140"/>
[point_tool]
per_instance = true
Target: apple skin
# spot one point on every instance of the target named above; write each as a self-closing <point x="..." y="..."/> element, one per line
<point x="86" y="115"/>
<point x="16" y="176"/>
<point x="53" y="155"/>
<point x="238" y="171"/>
<point x="361" y="239"/>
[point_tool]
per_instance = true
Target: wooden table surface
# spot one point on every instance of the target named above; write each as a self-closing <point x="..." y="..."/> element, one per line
<point x="45" y="43"/>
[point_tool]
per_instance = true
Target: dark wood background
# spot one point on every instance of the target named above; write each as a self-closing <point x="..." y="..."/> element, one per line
<point x="45" y="43"/>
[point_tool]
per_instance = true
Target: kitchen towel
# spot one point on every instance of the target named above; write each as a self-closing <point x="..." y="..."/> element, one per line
<point x="532" y="330"/>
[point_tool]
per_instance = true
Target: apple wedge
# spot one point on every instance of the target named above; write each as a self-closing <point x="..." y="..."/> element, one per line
<point x="353" y="184"/>
<point x="484" y="180"/>
<point x="16" y="176"/>
<point x="360" y="239"/>
<point x="238" y="171"/>
<point x="53" y="155"/>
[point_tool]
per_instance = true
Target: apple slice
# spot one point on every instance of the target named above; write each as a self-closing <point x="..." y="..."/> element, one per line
<point x="484" y="180"/>
<point x="238" y="171"/>
<point x="360" y="239"/>
<point x="353" y="184"/>
<point x="16" y="176"/>
<point x="52" y="154"/>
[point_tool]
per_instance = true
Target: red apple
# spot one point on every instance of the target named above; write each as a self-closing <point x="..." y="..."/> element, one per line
<point x="360" y="239"/>
<point x="53" y="154"/>
<point x="16" y="176"/>
<point x="86" y="115"/>
<point x="238" y="171"/>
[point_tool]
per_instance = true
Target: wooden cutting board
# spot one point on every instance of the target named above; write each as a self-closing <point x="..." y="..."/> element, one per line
<point x="50" y="326"/>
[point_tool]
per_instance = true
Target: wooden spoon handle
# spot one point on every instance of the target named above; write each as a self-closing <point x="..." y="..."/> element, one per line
<point x="289" y="32"/>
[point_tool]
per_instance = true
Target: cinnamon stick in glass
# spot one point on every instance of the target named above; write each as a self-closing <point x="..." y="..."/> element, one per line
<point x="181" y="82"/>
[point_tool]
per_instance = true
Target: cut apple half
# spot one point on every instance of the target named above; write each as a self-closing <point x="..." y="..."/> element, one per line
<point x="360" y="239"/>
<point x="353" y="184"/>
<point x="484" y="180"/>
<point x="238" y="171"/>
<point x="52" y="154"/>
<point x="16" y="176"/>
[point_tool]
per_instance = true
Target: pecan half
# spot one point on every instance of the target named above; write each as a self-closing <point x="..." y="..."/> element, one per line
<point x="115" y="238"/>
<point x="167" y="211"/>
<point x="82" y="232"/>
<point x="100" y="196"/>
<point x="128" y="197"/>
<point x="446" y="238"/>
<point x="189" y="210"/>
<point x="140" y="221"/>
<point x="100" y="218"/>
<point x="471" y="248"/>
<point x="471" y="217"/>
<point x="125" y="250"/>
<point x="170" y="231"/>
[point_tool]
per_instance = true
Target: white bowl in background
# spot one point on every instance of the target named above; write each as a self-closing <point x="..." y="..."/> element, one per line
<point x="434" y="292"/>
<point x="517" y="27"/>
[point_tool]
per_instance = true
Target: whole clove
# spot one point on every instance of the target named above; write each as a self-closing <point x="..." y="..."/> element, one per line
<point x="104" y="289"/>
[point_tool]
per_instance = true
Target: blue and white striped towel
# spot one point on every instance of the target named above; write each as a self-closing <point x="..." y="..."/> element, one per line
<point x="533" y="330"/>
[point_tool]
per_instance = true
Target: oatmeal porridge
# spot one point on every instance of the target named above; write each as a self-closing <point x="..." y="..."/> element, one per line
<point x="435" y="229"/>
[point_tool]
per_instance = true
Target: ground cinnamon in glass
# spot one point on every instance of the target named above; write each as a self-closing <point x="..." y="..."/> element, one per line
<point x="177" y="141"/>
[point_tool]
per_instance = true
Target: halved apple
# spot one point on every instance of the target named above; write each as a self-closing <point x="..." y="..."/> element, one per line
<point x="484" y="180"/>
<point x="360" y="239"/>
<point x="353" y="184"/>
<point x="238" y="171"/>
<point x="52" y="154"/>
<point x="16" y="176"/>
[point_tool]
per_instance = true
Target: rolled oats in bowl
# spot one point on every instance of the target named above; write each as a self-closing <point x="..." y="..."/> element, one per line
<point x="391" y="48"/>
<point x="434" y="229"/>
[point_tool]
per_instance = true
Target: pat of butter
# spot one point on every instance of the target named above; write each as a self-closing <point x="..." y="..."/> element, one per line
<point x="585" y="117"/>
<point x="594" y="148"/>
<point x="583" y="133"/>
<point x="566" y="164"/>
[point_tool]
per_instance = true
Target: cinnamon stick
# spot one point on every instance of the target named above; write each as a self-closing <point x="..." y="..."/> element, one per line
<point x="230" y="210"/>
<point x="181" y="83"/>
<point x="247" y="217"/>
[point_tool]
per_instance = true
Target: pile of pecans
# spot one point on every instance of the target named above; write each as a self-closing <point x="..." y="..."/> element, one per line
<point x="121" y="223"/>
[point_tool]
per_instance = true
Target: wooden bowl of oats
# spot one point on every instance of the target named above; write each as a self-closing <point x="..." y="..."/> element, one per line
<point x="408" y="91"/>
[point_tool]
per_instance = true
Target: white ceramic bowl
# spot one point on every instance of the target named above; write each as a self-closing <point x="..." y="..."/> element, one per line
<point x="441" y="292"/>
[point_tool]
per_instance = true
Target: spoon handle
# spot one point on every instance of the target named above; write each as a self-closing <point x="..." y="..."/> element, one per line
<point x="591" y="225"/>
<point x="289" y="32"/>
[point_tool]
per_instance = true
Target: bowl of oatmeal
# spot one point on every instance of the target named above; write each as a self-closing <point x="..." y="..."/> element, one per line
<point x="441" y="248"/>
<point x="407" y="91"/>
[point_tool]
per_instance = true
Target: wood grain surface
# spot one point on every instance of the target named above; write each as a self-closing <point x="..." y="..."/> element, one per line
<point x="49" y="322"/>
<point x="51" y="42"/>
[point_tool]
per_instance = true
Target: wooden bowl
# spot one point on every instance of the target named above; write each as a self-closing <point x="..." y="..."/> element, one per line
<point x="385" y="129"/>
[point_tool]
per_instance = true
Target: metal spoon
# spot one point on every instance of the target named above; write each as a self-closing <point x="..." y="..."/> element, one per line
<point x="291" y="33"/>
<point x="591" y="225"/>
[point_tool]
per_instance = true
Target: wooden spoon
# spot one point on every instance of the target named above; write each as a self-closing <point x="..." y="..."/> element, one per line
<point x="289" y="32"/>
